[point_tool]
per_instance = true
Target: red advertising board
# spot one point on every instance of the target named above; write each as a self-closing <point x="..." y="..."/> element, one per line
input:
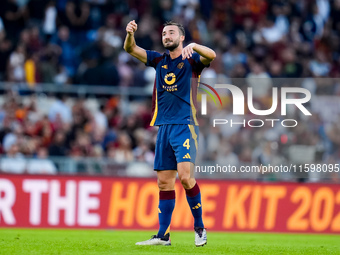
<point x="131" y="203"/>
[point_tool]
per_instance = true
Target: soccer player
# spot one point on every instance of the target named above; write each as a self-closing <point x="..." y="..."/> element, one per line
<point x="174" y="111"/>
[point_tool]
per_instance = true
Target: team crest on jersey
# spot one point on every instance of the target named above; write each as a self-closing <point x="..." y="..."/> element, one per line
<point x="180" y="65"/>
<point x="170" y="78"/>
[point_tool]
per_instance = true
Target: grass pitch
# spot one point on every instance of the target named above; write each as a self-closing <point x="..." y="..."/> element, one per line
<point x="41" y="241"/>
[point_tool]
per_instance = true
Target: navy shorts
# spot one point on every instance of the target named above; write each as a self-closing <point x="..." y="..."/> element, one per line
<point x="175" y="144"/>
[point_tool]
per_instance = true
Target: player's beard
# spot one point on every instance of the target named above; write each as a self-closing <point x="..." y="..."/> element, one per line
<point x="172" y="46"/>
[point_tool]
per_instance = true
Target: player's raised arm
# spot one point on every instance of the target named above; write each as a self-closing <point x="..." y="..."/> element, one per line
<point x="130" y="45"/>
<point x="206" y="54"/>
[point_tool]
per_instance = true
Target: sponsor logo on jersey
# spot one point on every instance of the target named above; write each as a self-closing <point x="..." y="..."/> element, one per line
<point x="170" y="78"/>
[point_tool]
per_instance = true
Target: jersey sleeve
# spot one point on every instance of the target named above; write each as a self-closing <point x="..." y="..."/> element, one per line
<point x="153" y="58"/>
<point x="199" y="66"/>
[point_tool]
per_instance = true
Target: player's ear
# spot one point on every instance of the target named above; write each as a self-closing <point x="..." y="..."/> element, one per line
<point x="181" y="38"/>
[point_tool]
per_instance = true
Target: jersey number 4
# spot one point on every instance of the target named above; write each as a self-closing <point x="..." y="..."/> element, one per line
<point x="186" y="144"/>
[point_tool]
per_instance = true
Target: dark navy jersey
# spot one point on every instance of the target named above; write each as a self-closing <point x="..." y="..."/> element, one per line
<point x="174" y="97"/>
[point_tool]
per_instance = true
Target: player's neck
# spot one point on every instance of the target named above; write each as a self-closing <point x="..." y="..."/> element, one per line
<point x="176" y="52"/>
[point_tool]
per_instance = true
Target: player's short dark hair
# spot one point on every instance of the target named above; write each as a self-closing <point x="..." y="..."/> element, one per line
<point x="172" y="23"/>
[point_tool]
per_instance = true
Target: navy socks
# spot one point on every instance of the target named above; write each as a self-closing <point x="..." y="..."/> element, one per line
<point x="194" y="200"/>
<point x="165" y="209"/>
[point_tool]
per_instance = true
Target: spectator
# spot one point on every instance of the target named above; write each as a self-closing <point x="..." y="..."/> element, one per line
<point x="77" y="19"/>
<point x="123" y="152"/>
<point x="320" y="66"/>
<point x="66" y="50"/>
<point x="41" y="164"/>
<point x="143" y="153"/>
<point x="291" y="67"/>
<point x="16" y="64"/>
<point x="272" y="32"/>
<point x="50" y="20"/>
<point x="111" y="34"/>
<point x="60" y="109"/>
<point x="13" y="18"/>
<point x="14" y="162"/>
<point x="256" y="76"/>
<point x="58" y="147"/>
<point x="233" y="57"/>
<point x="5" y="53"/>
<point x="13" y="137"/>
<point x="35" y="42"/>
<point x="101" y="119"/>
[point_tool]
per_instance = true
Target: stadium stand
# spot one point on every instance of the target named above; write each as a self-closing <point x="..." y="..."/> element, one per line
<point x="72" y="98"/>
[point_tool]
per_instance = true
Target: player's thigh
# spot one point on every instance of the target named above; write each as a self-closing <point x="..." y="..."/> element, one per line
<point x="166" y="179"/>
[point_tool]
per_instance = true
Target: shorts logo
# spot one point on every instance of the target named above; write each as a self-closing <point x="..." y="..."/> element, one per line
<point x="187" y="156"/>
<point x="180" y="65"/>
<point x="165" y="66"/>
<point x="170" y="78"/>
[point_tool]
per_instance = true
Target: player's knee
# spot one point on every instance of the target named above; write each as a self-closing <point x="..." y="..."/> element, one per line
<point x="186" y="181"/>
<point x="165" y="184"/>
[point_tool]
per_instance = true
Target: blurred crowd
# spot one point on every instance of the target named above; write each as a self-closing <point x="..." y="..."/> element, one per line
<point x="80" y="41"/>
<point x="70" y="43"/>
<point x="70" y="128"/>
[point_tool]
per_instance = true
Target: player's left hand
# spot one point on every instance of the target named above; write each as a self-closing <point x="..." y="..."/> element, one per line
<point x="188" y="51"/>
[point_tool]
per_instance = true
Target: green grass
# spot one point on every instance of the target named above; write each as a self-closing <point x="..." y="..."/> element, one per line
<point x="41" y="241"/>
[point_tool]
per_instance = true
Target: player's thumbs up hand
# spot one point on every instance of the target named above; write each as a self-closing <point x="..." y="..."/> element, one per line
<point x="131" y="27"/>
